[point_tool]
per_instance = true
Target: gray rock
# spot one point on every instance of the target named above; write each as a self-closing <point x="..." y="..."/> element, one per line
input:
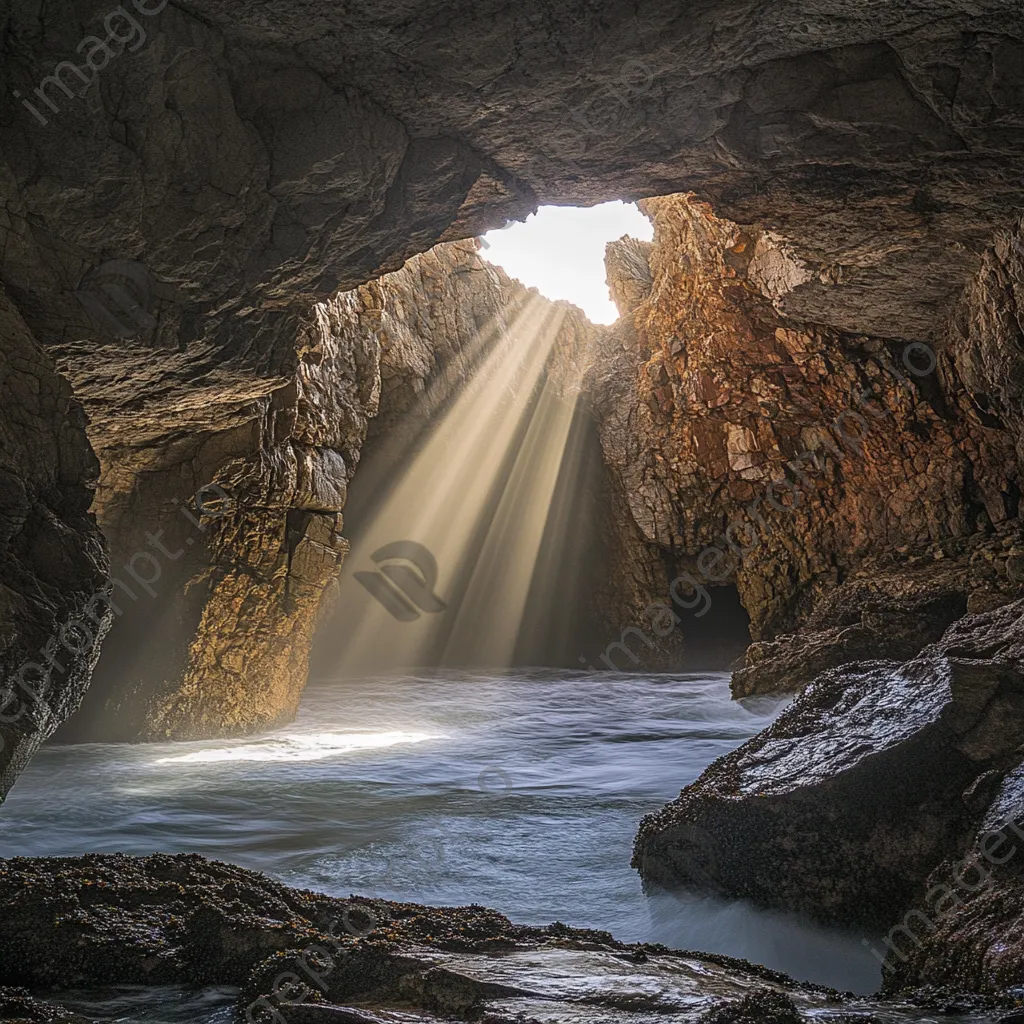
<point x="845" y="804"/>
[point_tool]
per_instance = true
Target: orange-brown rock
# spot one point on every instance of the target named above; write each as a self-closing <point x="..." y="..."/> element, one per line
<point x="804" y="455"/>
<point x="217" y="641"/>
<point x="259" y="157"/>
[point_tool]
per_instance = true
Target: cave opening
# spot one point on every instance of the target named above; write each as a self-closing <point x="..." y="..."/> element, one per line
<point x="714" y="641"/>
<point x="502" y="445"/>
<point x="560" y="250"/>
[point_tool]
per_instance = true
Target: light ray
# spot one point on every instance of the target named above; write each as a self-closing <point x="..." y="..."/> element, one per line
<point x="476" y="495"/>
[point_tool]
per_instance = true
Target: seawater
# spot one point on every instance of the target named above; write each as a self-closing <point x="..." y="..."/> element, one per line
<point x="521" y="791"/>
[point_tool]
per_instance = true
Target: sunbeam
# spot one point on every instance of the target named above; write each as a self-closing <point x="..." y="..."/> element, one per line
<point x="477" y="496"/>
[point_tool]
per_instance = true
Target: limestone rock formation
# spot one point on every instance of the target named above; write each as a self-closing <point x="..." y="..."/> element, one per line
<point x="232" y="522"/>
<point x="256" y="159"/>
<point x="871" y="778"/>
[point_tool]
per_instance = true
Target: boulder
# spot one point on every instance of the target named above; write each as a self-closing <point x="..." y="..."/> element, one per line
<point x="965" y="928"/>
<point x="885" y="611"/>
<point x="873" y="776"/>
<point x="305" y="958"/>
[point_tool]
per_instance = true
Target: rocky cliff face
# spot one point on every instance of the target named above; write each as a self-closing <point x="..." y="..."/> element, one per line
<point x="863" y="492"/>
<point x="226" y="533"/>
<point x="52" y="563"/>
<point x="224" y="526"/>
<point x="853" y="485"/>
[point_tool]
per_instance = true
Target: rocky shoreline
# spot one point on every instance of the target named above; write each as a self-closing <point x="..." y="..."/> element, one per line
<point x="886" y="797"/>
<point x="76" y="923"/>
<point x="296" y="956"/>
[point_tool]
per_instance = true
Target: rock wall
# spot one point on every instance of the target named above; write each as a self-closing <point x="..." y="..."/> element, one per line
<point x="52" y="563"/>
<point x="883" y="576"/>
<point x="226" y="536"/>
<point x="850" y="484"/>
<point x="225" y="529"/>
<point x="256" y="160"/>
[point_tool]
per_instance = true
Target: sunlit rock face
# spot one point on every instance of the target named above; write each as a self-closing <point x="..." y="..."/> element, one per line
<point x="224" y="525"/>
<point x="226" y="529"/>
<point x="850" y="484"/>
<point x="258" y="158"/>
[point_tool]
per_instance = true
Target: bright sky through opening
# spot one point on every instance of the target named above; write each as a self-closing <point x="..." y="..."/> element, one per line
<point x="559" y="250"/>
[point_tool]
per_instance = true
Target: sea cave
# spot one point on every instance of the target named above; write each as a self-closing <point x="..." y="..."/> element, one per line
<point x="511" y="513"/>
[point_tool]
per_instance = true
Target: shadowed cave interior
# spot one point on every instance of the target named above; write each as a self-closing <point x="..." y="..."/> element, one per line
<point x="366" y="648"/>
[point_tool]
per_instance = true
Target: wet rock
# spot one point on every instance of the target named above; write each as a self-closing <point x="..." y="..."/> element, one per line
<point x="964" y="930"/>
<point x="889" y="611"/>
<point x="16" y="1004"/>
<point x="843" y="807"/>
<point x="313" y="959"/>
<point x="330" y="1014"/>
<point x="764" y="1006"/>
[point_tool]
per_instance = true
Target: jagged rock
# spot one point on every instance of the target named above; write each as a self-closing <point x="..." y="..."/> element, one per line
<point x="844" y="805"/>
<point x="628" y="262"/>
<point x="764" y="1006"/>
<point x="52" y="563"/>
<point x="964" y="930"/>
<point x="984" y="331"/>
<point x="810" y="460"/>
<point x="110" y="920"/>
<point x="257" y="159"/>
<point x="887" y="611"/>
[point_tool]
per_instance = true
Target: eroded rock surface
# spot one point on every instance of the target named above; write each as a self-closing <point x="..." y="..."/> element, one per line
<point x="52" y="562"/>
<point x="822" y="472"/>
<point x="257" y="159"/>
<point x="885" y="148"/>
<point x="225" y="521"/>
<point x="116" y="920"/>
<point x="843" y="807"/>
<point x="964" y="931"/>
